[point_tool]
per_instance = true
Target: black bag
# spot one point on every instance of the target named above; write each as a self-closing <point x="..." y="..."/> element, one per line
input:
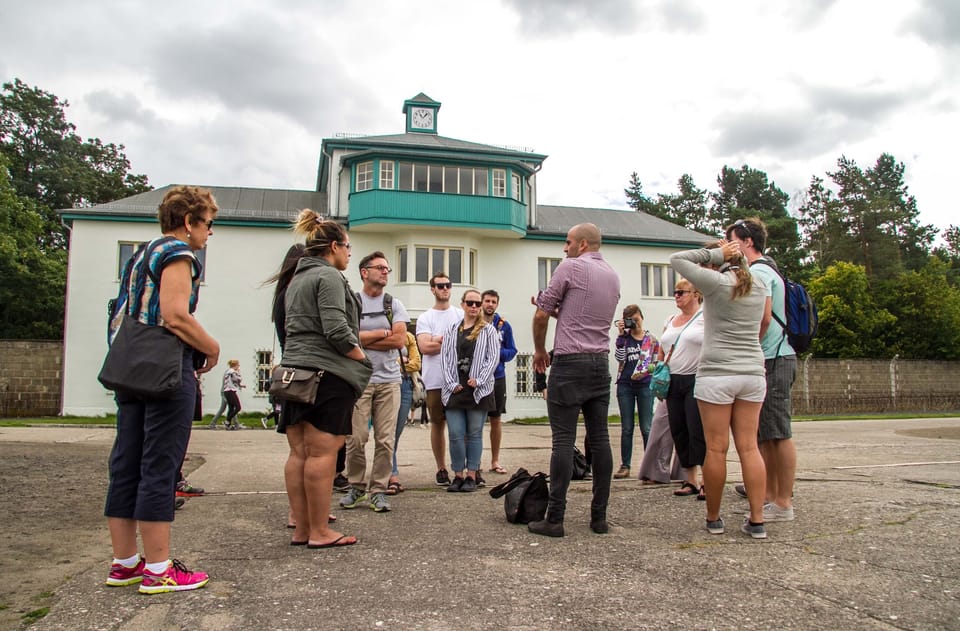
<point x="580" y="466"/>
<point x="525" y="496"/>
<point x="295" y="384"/>
<point x="143" y="360"/>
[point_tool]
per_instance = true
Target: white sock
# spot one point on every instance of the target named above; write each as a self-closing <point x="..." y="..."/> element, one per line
<point x="158" y="568"/>
<point x="128" y="563"/>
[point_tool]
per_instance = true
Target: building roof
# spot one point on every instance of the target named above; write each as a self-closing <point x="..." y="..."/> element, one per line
<point x="433" y="141"/>
<point x="615" y="225"/>
<point x="237" y="203"/>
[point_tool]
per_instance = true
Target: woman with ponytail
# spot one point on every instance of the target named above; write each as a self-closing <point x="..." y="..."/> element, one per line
<point x="730" y="382"/>
<point x="322" y="325"/>
<point x="469" y="356"/>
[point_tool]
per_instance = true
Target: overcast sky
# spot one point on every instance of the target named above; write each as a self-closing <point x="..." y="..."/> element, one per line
<point x="241" y="93"/>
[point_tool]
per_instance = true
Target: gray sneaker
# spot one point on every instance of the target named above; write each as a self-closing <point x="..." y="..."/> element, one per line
<point x="772" y="512"/>
<point x="379" y="503"/>
<point x="354" y="498"/>
<point x="757" y="531"/>
<point x="715" y="527"/>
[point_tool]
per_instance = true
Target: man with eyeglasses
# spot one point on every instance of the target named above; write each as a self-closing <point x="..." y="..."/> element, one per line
<point x="775" y="436"/>
<point x="383" y="331"/>
<point x="431" y="327"/>
<point x="583" y="294"/>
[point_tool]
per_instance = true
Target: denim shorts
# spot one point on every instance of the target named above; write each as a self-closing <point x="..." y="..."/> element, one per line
<point x="725" y="389"/>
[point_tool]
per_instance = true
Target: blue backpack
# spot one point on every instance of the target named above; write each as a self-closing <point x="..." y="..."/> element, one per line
<point x="802" y="320"/>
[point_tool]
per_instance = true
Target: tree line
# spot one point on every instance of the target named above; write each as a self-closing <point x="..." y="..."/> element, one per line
<point x="855" y="240"/>
<point x="45" y="166"/>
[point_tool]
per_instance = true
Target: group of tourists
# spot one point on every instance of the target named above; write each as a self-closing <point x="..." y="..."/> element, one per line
<point x="368" y="365"/>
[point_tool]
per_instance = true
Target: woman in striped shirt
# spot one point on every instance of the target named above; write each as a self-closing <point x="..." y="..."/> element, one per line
<point x="469" y="356"/>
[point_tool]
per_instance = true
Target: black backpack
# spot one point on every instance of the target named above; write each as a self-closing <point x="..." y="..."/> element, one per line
<point x="802" y="320"/>
<point x="525" y="496"/>
<point x="387" y="308"/>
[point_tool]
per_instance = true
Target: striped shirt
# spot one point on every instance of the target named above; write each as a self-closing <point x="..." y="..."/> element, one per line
<point x="486" y="356"/>
<point x="586" y="291"/>
<point x="139" y="294"/>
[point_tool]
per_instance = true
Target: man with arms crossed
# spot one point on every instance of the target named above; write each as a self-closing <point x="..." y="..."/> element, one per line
<point x="508" y="350"/>
<point x="583" y="294"/>
<point x="774" y="435"/>
<point x="383" y="331"/>
<point x="431" y="327"/>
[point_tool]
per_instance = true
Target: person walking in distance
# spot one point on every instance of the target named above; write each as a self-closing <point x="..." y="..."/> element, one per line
<point x="508" y="350"/>
<point x="583" y="294"/>
<point x="383" y="332"/>
<point x="431" y="327"/>
<point x="780" y="362"/>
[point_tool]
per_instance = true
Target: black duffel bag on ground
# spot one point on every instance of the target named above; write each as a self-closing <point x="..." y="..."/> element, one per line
<point x="525" y="496"/>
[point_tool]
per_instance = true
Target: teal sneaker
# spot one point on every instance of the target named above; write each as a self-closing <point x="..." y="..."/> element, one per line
<point x="354" y="498"/>
<point x="379" y="503"/>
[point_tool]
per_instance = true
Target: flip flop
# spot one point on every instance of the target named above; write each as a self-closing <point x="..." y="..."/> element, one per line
<point x="395" y="488"/>
<point x="298" y="543"/>
<point x="686" y="489"/>
<point x="702" y="495"/>
<point x="498" y="469"/>
<point x="339" y="542"/>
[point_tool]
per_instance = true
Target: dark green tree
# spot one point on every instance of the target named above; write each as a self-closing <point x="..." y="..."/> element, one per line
<point x="50" y="164"/>
<point x="927" y="308"/>
<point x="636" y="198"/>
<point x="32" y="278"/>
<point x="688" y="207"/>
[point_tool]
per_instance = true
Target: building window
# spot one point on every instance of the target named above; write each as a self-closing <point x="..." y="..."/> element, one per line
<point x="525" y="377"/>
<point x="402" y="264"/>
<point x="473" y="267"/>
<point x="386" y="175"/>
<point x="406" y="176"/>
<point x="656" y="280"/>
<point x="479" y="181"/>
<point x="435" y="178"/>
<point x="125" y="250"/>
<point x="644" y="279"/>
<point x="429" y="261"/>
<point x="499" y="183"/>
<point x="364" y="176"/>
<point x="264" y="369"/>
<point x="515" y="191"/>
<point x="545" y="270"/>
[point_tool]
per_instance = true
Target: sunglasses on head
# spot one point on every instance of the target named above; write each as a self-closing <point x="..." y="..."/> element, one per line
<point x="443" y="285"/>
<point x="472" y="303"/>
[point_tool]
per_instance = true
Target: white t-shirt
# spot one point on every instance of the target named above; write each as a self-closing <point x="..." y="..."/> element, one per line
<point x="435" y="322"/>
<point x="686" y="354"/>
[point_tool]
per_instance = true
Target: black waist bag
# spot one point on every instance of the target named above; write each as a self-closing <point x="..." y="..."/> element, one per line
<point x="525" y="496"/>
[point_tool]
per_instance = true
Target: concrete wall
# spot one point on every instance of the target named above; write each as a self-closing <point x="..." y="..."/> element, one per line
<point x="31" y="375"/>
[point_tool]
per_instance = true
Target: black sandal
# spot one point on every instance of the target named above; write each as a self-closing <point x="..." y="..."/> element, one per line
<point x="702" y="495"/>
<point x="686" y="489"/>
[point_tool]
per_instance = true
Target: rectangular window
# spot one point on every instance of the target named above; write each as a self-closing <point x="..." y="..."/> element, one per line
<point x="264" y="368"/>
<point x="406" y="176"/>
<point x="644" y="279"/>
<point x="515" y="186"/>
<point x="499" y="183"/>
<point x="479" y="181"/>
<point x="466" y="181"/>
<point x="402" y="264"/>
<point x="125" y="250"/>
<point x="525" y="377"/>
<point x="658" y="271"/>
<point x="545" y="270"/>
<point x="436" y="178"/>
<point x="364" y="176"/>
<point x="386" y="175"/>
<point x="671" y="279"/>
<point x="450" y="180"/>
<point x="473" y="267"/>
<point x="429" y="261"/>
<point x="420" y="177"/>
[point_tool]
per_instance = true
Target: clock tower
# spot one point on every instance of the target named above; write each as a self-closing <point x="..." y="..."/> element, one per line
<point x="421" y="113"/>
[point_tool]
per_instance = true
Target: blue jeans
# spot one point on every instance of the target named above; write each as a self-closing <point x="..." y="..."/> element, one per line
<point x="578" y="382"/>
<point x="406" y="400"/>
<point x="465" y="428"/>
<point x="630" y="397"/>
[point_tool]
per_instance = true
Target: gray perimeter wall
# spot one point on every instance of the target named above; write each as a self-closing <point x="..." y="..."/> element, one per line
<point x="31" y="375"/>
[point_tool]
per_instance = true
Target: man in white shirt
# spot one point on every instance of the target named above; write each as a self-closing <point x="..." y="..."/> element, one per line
<point x="431" y="327"/>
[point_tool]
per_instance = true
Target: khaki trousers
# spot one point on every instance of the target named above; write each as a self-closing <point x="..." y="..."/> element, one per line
<point x="383" y="401"/>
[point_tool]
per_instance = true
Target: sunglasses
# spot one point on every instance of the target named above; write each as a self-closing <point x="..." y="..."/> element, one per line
<point x="443" y="285"/>
<point x="472" y="303"/>
<point x="208" y="223"/>
<point x="680" y="292"/>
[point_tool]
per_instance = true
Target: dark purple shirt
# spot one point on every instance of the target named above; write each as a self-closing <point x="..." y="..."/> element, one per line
<point x="586" y="291"/>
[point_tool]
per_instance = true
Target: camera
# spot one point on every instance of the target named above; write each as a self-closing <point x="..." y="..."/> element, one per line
<point x="629" y="323"/>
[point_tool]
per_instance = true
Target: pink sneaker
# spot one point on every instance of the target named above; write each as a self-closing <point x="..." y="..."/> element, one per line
<point x="176" y="578"/>
<point x="120" y="575"/>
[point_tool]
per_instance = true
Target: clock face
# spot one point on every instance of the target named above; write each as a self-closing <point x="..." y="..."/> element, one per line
<point x="421" y="118"/>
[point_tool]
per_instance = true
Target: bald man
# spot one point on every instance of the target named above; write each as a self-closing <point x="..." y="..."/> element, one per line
<point x="583" y="295"/>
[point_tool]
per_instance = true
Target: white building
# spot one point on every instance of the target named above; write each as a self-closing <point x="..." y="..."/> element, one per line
<point x="429" y="202"/>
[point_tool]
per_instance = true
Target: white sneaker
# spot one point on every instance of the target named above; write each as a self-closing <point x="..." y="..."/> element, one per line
<point x="772" y="512"/>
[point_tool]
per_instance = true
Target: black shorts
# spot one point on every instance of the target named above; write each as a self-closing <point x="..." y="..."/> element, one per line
<point x="499" y="397"/>
<point x="332" y="412"/>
